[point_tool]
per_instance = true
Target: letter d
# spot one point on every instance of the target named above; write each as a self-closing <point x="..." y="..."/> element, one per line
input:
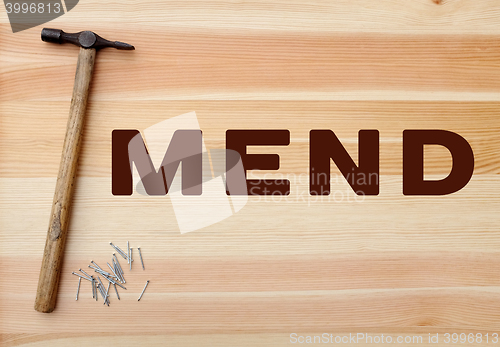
<point x="413" y="162"/>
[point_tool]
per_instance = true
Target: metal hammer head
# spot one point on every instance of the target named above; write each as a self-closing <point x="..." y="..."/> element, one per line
<point x="85" y="39"/>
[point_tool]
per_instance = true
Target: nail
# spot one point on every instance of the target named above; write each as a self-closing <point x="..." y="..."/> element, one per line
<point x="143" y="290"/>
<point x="111" y="243"/>
<point x="112" y="270"/>
<point x="107" y="292"/>
<point x="118" y="284"/>
<point x="94" y="289"/>
<point x="99" y="288"/>
<point x="119" y="266"/>
<point x="140" y="256"/>
<point x="112" y="281"/>
<point x="115" y="271"/>
<point x="122" y="252"/>
<point x="118" y="249"/>
<point x="100" y="281"/>
<point x="92" y="267"/>
<point x="130" y="259"/>
<point x="104" y="273"/>
<point x="96" y="265"/>
<point x="78" y="290"/>
<point x="128" y="252"/>
<point x="122" y="280"/>
<point x="103" y="293"/>
<point x="84" y="273"/>
<point x="100" y="271"/>
<point x="88" y="279"/>
<point x="116" y="290"/>
<point x="120" y="269"/>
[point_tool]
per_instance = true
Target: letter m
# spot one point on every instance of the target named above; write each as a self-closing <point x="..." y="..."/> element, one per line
<point x="128" y="148"/>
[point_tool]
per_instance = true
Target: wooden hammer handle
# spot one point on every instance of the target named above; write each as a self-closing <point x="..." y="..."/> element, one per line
<point x="59" y="218"/>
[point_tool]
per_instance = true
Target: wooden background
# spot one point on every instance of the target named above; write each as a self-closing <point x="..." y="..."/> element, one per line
<point x="391" y="264"/>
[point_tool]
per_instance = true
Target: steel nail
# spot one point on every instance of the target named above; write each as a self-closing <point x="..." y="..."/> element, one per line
<point x="93" y="262"/>
<point x="94" y="288"/>
<point x="118" y="272"/>
<point x="116" y="290"/>
<point x="112" y="281"/>
<point x="143" y="290"/>
<point x="120" y="269"/>
<point x="74" y="273"/>
<point x="103" y="294"/>
<point x="118" y="284"/>
<point x="84" y="272"/>
<point x="99" y="279"/>
<point x="140" y="256"/>
<point x="78" y="290"/>
<point x="111" y="243"/>
<point x="115" y="270"/>
<point x="107" y="291"/>
<point x="112" y="270"/>
<point x="100" y="291"/>
<point x="119" y="266"/>
<point x="119" y="250"/>
<point x="130" y="254"/>
<point x="122" y="252"/>
<point x="99" y="271"/>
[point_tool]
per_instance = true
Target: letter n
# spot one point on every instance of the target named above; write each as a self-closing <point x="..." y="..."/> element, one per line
<point x="324" y="145"/>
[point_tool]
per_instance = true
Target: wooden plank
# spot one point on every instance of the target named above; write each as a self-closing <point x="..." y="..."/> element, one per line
<point x="427" y="17"/>
<point x="292" y="66"/>
<point x="477" y="122"/>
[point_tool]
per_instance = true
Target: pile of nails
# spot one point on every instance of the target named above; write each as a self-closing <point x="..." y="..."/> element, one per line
<point x="115" y="277"/>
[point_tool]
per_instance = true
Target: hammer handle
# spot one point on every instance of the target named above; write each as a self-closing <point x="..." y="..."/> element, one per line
<point x="59" y="218"/>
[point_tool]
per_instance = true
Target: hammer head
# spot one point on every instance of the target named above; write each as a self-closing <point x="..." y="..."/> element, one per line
<point x="85" y="39"/>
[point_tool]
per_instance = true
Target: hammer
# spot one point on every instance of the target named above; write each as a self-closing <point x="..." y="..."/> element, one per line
<point x="89" y="43"/>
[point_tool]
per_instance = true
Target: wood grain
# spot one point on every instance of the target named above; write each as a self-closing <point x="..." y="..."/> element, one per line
<point x="391" y="264"/>
<point x="48" y="283"/>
